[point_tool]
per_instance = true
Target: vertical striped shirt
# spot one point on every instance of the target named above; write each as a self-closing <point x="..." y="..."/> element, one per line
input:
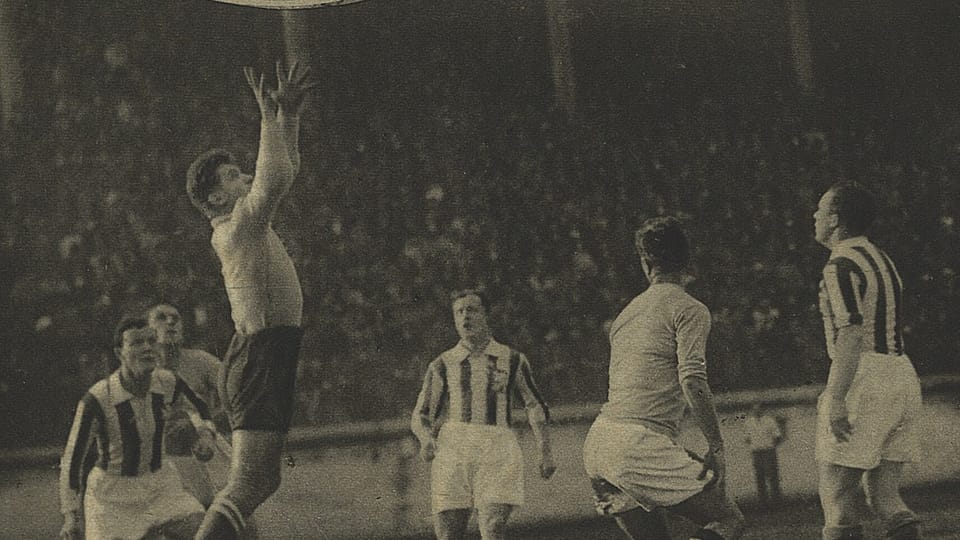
<point x="478" y="387"/>
<point x="861" y="286"/>
<point x="125" y="431"/>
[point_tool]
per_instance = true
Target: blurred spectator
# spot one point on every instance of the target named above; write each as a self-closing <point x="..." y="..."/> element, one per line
<point x="481" y="181"/>
<point x="764" y="434"/>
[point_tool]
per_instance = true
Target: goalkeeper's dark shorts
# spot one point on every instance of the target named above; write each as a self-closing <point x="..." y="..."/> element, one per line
<point x="257" y="382"/>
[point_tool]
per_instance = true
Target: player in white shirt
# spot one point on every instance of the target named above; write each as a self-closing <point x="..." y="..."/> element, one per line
<point x="266" y="300"/>
<point x="657" y="369"/>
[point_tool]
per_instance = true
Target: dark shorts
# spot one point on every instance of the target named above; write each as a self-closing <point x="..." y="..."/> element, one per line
<point x="259" y="374"/>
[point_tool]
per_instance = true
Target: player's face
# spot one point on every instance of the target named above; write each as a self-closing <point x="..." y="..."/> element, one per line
<point x="139" y="352"/>
<point x="470" y="317"/>
<point x="166" y="321"/>
<point x="824" y="219"/>
<point x="233" y="182"/>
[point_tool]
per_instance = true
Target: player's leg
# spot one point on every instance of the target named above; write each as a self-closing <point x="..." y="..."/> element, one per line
<point x="254" y="477"/>
<point x="257" y="387"/>
<point x="715" y="511"/>
<point x="636" y="522"/>
<point x="181" y="528"/>
<point x="882" y="487"/>
<point x="760" y="474"/>
<point x="451" y="524"/>
<point x="492" y="519"/>
<point x="639" y="524"/>
<point x="773" y="470"/>
<point x="498" y="481"/>
<point x="842" y="499"/>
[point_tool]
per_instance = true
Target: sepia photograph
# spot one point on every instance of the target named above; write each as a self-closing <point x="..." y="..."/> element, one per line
<point x="486" y="270"/>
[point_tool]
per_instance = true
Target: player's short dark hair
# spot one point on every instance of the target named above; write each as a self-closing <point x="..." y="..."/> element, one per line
<point x="662" y="243"/>
<point x="855" y="207"/>
<point x="125" y="324"/>
<point x="462" y="293"/>
<point x="202" y="177"/>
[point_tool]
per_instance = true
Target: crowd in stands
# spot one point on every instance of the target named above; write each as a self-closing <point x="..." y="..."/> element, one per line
<point x="401" y="199"/>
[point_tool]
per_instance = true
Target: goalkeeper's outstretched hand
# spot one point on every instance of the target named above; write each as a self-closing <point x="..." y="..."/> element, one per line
<point x="292" y="88"/>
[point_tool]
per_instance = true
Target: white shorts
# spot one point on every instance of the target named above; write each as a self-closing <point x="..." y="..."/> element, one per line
<point x="128" y="506"/>
<point x="633" y="466"/>
<point x="476" y="465"/>
<point x="883" y="408"/>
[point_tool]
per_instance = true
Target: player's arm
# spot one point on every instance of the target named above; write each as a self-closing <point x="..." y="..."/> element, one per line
<point x="186" y="400"/>
<point x="842" y="278"/>
<point x="274" y="172"/>
<point x="86" y="422"/>
<point x="422" y="419"/>
<point x="693" y="328"/>
<point x="538" y="414"/>
<point x="290" y="95"/>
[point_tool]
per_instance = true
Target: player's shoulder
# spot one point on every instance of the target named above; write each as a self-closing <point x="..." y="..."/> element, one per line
<point x="163" y="380"/>
<point x="687" y="304"/>
<point x="439" y="362"/>
<point x="199" y="356"/>
<point x="502" y="350"/>
<point x="841" y="261"/>
<point x="98" y="392"/>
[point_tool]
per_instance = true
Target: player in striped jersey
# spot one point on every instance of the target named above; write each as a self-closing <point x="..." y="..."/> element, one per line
<point x="463" y="418"/>
<point x="130" y="491"/>
<point x="658" y="369"/>
<point x="867" y="415"/>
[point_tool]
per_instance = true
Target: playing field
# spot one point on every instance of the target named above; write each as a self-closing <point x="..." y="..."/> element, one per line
<point x="938" y="505"/>
<point x="28" y="512"/>
<point x="367" y="487"/>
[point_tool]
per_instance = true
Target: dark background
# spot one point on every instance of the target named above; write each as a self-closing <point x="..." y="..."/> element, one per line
<point x="435" y="157"/>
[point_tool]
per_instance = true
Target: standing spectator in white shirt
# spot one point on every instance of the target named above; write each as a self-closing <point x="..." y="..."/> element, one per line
<point x="764" y="436"/>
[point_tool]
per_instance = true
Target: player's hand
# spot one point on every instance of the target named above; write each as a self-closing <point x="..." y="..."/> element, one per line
<point x="840" y="424"/>
<point x="267" y="104"/>
<point x="292" y="88"/>
<point x="547" y="466"/>
<point x="72" y="527"/>
<point x="206" y="443"/>
<point x="428" y="450"/>
<point x="714" y="461"/>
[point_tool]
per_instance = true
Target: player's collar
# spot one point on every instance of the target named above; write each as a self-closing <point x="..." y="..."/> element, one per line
<point x="853" y="241"/>
<point x="493" y="348"/>
<point x="120" y="394"/>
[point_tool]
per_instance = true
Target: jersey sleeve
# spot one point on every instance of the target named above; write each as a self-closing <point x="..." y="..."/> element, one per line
<point x="693" y="329"/>
<point x="86" y="422"/>
<point x="843" y="281"/>
<point x="431" y="400"/>
<point x="526" y="388"/>
<point x="185" y="399"/>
